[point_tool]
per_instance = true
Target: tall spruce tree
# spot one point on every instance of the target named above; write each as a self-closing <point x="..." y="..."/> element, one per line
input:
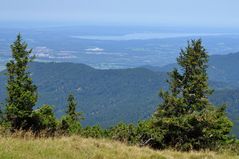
<point x="21" y="92"/>
<point x="71" y="108"/>
<point x="186" y="118"/>
<point x="71" y="121"/>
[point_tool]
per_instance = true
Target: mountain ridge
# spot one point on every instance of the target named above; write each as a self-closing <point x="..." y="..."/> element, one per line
<point x="110" y="96"/>
<point x="222" y="68"/>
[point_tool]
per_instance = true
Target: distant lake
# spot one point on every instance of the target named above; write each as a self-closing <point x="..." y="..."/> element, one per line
<point x="149" y="35"/>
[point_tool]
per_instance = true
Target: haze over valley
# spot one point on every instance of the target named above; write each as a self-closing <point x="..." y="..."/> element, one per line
<point x="111" y="47"/>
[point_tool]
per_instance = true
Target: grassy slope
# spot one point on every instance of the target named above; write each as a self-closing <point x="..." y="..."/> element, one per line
<point x="77" y="147"/>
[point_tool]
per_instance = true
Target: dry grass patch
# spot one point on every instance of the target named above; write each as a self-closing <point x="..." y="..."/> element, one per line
<point x="81" y="148"/>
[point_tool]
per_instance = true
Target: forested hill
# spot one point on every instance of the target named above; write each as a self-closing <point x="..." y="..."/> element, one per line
<point x="105" y="96"/>
<point x="110" y="96"/>
<point x="222" y="68"/>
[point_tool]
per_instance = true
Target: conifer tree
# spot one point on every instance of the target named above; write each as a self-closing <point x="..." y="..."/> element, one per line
<point x="71" y="121"/>
<point x="186" y="118"/>
<point x="21" y="92"/>
<point x="71" y="108"/>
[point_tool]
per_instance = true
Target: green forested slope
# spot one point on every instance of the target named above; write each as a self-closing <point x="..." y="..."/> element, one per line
<point x="105" y="96"/>
<point x="110" y="96"/>
<point x="223" y="68"/>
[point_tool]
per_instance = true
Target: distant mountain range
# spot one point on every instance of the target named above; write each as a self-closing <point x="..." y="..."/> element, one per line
<point x="124" y="95"/>
<point x="222" y="68"/>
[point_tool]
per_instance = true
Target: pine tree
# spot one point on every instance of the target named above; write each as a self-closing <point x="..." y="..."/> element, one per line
<point x="71" y="121"/>
<point x="186" y="118"/>
<point x="21" y="92"/>
<point x="71" y="108"/>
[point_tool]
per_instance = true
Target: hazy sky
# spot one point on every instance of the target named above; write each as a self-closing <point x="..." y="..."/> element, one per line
<point x="218" y="13"/>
